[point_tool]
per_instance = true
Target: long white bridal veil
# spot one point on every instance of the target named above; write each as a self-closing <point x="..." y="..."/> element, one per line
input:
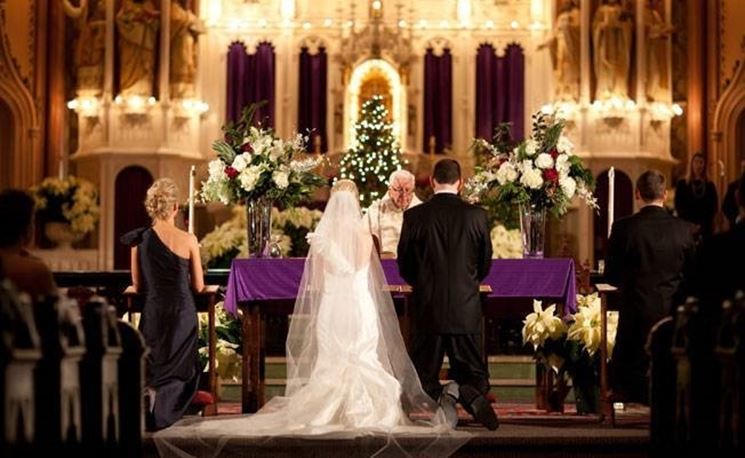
<point x="341" y="264"/>
<point x="341" y="249"/>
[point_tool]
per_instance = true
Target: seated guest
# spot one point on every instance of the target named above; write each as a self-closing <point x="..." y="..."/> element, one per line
<point x="166" y="268"/>
<point x="717" y="275"/>
<point x="385" y="216"/>
<point x="28" y="273"/>
<point x="649" y="255"/>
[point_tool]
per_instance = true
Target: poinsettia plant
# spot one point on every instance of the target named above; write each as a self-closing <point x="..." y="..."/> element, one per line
<point x="542" y="171"/>
<point x="571" y="345"/>
<point x="252" y="163"/>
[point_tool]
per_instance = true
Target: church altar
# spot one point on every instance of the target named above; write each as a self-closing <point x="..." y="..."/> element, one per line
<point x="262" y="286"/>
<point x="277" y="279"/>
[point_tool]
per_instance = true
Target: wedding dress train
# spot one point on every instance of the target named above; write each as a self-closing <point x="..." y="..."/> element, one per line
<point x="348" y="371"/>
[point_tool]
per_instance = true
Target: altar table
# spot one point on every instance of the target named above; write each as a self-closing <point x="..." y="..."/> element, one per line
<point x="267" y="286"/>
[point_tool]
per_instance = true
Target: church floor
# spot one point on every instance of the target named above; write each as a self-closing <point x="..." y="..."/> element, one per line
<point x="524" y="432"/>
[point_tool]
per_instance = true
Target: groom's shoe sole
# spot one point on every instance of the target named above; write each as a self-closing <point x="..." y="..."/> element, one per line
<point x="447" y="404"/>
<point x="483" y="413"/>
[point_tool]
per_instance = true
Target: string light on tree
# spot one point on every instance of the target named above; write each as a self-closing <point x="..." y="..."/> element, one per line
<point x="376" y="153"/>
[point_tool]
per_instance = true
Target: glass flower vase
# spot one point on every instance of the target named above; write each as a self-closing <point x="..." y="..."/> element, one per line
<point x="532" y="231"/>
<point x="259" y="227"/>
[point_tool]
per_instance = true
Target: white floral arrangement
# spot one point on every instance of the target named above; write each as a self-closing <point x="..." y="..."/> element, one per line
<point x="228" y="240"/>
<point x="506" y="243"/>
<point x="546" y="332"/>
<point x="252" y="163"/>
<point x="586" y="325"/>
<point x="227" y="358"/>
<point x="542" y="171"/>
<point x="70" y="200"/>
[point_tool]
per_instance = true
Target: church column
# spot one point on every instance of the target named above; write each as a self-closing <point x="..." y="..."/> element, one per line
<point x="641" y="72"/>
<point x="697" y="78"/>
<point x="164" y="70"/>
<point x="56" y="150"/>
<point x="108" y="79"/>
<point x="585" y="79"/>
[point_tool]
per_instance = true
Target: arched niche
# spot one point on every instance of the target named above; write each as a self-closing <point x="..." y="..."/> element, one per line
<point x="130" y="187"/>
<point x="378" y="71"/>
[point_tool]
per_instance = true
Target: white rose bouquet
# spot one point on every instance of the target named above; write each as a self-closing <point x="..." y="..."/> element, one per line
<point x="252" y="162"/>
<point x="541" y="171"/>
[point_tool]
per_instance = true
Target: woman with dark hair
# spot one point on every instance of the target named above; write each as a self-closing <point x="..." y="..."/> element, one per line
<point x="696" y="198"/>
<point x="166" y="268"/>
<point x="28" y="273"/>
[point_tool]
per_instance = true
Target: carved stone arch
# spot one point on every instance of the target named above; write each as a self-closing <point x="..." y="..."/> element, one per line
<point x="26" y="161"/>
<point x="728" y="118"/>
<point x="500" y="45"/>
<point x="314" y="43"/>
<point x="250" y="44"/>
<point x="438" y="45"/>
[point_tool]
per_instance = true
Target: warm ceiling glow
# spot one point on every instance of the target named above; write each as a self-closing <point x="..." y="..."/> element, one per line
<point x="464" y="12"/>
<point x="287" y="9"/>
<point x="377" y="4"/>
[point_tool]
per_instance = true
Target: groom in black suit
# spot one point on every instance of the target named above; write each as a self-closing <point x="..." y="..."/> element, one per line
<point x="444" y="253"/>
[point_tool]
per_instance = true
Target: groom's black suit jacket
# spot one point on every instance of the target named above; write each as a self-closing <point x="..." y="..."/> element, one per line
<point x="444" y="252"/>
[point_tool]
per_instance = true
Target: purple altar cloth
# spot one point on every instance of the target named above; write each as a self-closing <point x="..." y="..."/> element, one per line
<point x="271" y="279"/>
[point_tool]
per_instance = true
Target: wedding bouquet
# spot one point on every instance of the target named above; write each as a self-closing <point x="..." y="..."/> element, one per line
<point x="71" y="200"/>
<point x="572" y="346"/>
<point x="252" y="163"/>
<point x="541" y="172"/>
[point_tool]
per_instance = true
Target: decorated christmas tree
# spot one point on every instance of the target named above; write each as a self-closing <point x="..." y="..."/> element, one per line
<point x="375" y="154"/>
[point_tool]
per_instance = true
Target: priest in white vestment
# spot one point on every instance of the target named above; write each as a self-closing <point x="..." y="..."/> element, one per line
<point x="385" y="216"/>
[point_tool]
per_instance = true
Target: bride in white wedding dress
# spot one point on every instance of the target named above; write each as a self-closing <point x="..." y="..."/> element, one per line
<point x="348" y="371"/>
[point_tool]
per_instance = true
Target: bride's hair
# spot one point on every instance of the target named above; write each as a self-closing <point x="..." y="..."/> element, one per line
<point x="345" y="185"/>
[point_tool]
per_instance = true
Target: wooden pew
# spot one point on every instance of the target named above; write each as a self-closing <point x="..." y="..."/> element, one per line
<point x="58" y="388"/>
<point x="730" y="352"/>
<point x="205" y="301"/>
<point x="19" y="353"/>
<point x="99" y="377"/>
<point x="131" y="384"/>
<point x="697" y="372"/>
<point x="662" y="384"/>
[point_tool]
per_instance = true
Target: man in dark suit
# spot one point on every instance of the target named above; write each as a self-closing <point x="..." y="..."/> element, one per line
<point x="444" y="253"/>
<point x="650" y="254"/>
<point x="717" y="277"/>
<point x="730" y="208"/>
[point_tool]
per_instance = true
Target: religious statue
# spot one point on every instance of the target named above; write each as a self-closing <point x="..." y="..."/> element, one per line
<point x="657" y="33"/>
<point x="185" y="28"/>
<point x="137" y="22"/>
<point x="90" y="47"/>
<point x="612" y="29"/>
<point x="564" y="45"/>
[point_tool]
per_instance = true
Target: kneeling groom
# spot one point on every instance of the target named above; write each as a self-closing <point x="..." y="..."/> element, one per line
<point x="444" y="253"/>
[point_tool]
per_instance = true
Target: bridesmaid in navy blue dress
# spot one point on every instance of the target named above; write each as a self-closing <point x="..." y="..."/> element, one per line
<point x="166" y="268"/>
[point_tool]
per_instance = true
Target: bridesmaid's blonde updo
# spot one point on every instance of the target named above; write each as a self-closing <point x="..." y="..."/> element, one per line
<point x="160" y="199"/>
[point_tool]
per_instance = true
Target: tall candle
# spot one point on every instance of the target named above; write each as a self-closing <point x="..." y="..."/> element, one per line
<point x="611" y="196"/>
<point x="192" y="175"/>
<point x="61" y="171"/>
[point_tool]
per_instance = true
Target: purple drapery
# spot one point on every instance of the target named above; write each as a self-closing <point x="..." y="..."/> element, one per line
<point x="251" y="80"/>
<point x="438" y="100"/>
<point x="500" y="90"/>
<point x="311" y="114"/>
